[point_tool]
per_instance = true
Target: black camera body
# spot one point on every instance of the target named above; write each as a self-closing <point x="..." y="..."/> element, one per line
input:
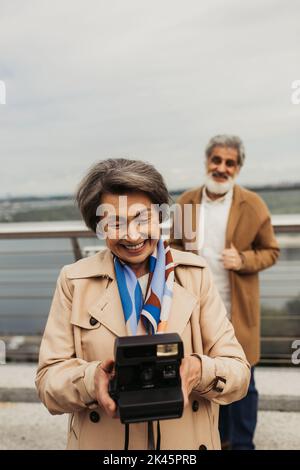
<point x="147" y="384"/>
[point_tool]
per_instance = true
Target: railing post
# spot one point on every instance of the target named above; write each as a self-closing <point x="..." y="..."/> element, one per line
<point x="76" y="249"/>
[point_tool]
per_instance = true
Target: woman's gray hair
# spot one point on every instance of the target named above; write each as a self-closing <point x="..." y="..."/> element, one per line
<point x="118" y="176"/>
<point x="225" y="140"/>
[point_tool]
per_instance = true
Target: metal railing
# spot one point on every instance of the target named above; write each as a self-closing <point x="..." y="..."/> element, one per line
<point x="73" y="230"/>
<point x="27" y="279"/>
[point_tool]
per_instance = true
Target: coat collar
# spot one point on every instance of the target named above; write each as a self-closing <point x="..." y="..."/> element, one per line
<point x="238" y="199"/>
<point x="102" y="265"/>
<point x="107" y="308"/>
<point x="99" y="265"/>
<point x="109" y="312"/>
<point x="235" y="213"/>
<point x="238" y="194"/>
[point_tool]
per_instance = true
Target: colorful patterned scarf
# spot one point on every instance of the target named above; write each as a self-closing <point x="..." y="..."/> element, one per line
<point x="154" y="311"/>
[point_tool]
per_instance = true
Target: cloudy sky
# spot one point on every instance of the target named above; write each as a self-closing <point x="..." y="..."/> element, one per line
<point x="151" y="80"/>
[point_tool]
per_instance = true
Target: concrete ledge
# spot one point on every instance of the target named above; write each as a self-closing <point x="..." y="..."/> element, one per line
<point x="19" y="395"/>
<point x="279" y="403"/>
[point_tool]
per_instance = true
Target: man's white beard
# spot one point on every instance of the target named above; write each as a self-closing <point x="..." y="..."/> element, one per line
<point x="218" y="188"/>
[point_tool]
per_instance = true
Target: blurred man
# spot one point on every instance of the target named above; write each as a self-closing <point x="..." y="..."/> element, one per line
<point x="230" y="227"/>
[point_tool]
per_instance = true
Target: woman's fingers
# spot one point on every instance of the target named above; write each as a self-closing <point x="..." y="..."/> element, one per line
<point x="190" y="372"/>
<point x="107" y="402"/>
<point x="107" y="366"/>
<point x="105" y="372"/>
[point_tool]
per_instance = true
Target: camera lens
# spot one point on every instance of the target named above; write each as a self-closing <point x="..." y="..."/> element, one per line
<point x="147" y="374"/>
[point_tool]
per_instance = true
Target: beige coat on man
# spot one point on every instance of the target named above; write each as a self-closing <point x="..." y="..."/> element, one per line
<point x="249" y="228"/>
<point x="85" y="318"/>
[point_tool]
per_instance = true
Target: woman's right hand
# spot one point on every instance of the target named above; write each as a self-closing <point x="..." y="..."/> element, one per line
<point x="102" y="377"/>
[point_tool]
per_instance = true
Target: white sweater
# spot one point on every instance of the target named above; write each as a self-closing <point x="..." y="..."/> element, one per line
<point x="213" y="224"/>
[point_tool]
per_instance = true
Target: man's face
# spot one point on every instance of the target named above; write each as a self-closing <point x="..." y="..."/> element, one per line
<point x="222" y="167"/>
<point x="223" y="163"/>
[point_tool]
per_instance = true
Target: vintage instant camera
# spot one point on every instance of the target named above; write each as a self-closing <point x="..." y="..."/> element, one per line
<point x="147" y="384"/>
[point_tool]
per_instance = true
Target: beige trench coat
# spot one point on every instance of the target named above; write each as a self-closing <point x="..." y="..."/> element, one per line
<point x="86" y="316"/>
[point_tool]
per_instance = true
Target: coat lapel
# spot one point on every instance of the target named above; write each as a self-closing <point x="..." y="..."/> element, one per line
<point x="108" y="310"/>
<point x="234" y="214"/>
<point x="191" y="223"/>
<point x="182" y="306"/>
<point x="233" y="219"/>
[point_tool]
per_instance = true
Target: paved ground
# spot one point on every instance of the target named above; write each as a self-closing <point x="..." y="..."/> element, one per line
<point x="278" y="380"/>
<point x="30" y="426"/>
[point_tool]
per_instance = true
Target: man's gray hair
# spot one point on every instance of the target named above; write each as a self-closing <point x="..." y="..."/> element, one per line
<point x="118" y="176"/>
<point x="225" y="140"/>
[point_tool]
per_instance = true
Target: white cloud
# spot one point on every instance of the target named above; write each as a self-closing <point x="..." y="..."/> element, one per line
<point x="150" y="80"/>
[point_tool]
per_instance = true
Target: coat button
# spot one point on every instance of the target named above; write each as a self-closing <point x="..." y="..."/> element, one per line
<point x="93" y="321"/>
<point x="195" y="405"/>
<point x="94" y="417"/>
<point x="202" y="447"/>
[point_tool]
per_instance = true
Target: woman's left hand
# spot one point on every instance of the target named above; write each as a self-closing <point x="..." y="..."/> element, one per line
<point x="190" y="372"/>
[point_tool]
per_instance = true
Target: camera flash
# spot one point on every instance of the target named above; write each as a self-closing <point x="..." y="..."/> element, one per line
<point x="167" y="350"/>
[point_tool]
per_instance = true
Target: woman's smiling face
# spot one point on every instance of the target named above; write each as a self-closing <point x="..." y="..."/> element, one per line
<point x="131" y="226"/>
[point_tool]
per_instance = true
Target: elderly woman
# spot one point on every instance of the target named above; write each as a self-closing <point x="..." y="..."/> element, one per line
<point x="136" y="286"/>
